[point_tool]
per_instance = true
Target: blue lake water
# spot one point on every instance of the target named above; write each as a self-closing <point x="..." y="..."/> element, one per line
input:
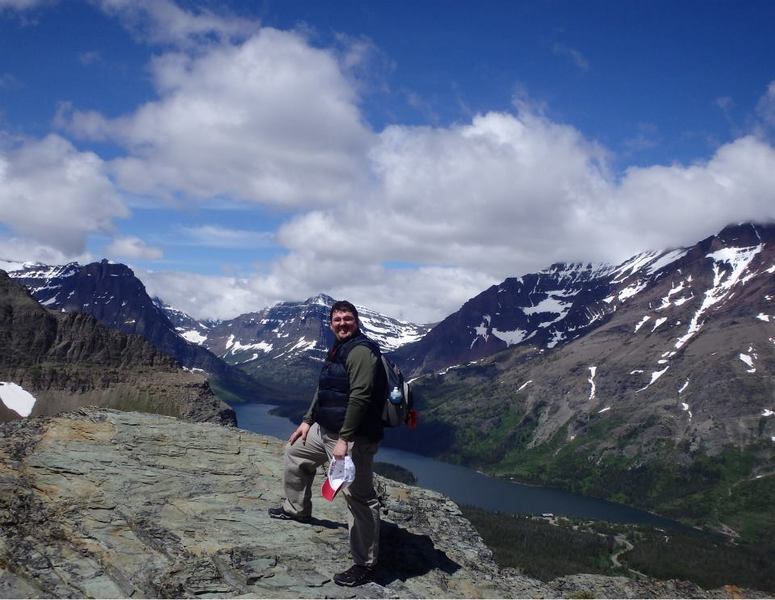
<point x="467" y="486"/>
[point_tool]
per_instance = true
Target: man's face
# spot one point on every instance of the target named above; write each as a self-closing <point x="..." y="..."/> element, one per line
<point x="343" y="324"/>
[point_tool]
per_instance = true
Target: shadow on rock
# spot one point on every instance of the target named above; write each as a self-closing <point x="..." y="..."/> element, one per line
<point x="404" y="555"/>
<point x="327" y="523"/>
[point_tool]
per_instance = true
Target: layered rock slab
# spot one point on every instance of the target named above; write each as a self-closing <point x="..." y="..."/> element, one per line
<point x="103" y="503"/>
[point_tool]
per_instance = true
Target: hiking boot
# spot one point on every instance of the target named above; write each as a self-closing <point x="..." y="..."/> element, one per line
<point x="355" y="576"/>
<point x="279" y="513"/>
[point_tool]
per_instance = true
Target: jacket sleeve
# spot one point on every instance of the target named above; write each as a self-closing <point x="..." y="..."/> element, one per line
<point x="361" y="364"/>
<point x="309" y="416"/>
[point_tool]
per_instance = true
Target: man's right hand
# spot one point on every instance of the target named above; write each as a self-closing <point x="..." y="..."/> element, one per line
<point x="300" y="432"/>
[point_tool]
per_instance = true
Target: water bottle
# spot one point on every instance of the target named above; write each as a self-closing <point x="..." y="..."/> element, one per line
<point x="396" y="395"/>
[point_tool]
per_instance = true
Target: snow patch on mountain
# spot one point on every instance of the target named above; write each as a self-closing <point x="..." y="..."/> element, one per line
<point x="17" y="398"/>
<point x="631" y="290"/>
<point x="749" y="357"/>
<point x="389" y="333"/>
<point x="235" y="346"/>
<point x="654" y="376"/>
<point x="511" y="337"/>
<point x="553" y="304"/>
<point x="481" y="331"/>
<point x="686" y="409"/>
<point x="302" y="345"/>
<point x="666" y="302"/>
<point x="192" y="335"/>
<point x="729" y="266"/>
<point x="632" y="266"/>
<point x="666" y="259"/>
<point x="641" y="323"/>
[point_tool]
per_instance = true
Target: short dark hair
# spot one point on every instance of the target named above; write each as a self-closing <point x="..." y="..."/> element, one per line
<point x="343" y="306"/>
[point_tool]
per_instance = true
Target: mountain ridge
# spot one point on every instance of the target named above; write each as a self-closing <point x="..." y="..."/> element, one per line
<point x="66" y="360"/>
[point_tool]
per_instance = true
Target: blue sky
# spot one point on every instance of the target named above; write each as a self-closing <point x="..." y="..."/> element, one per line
<point x="405" y="155"/>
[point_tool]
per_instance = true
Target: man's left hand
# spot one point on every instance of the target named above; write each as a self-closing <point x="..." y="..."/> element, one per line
<point x="340" y="450"/>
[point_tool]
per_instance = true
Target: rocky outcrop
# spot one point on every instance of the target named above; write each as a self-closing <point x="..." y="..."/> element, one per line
<point x="103" y="503"/>
<point x="117" y="299"/>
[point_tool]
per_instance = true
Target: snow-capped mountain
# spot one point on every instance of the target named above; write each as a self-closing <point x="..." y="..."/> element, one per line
<point x="565" y="302"/>
<point x="284" y="344"/>
<point x="272" y="330"/>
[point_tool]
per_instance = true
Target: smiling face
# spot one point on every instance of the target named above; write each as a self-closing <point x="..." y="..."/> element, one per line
<point x="343" y="324"/>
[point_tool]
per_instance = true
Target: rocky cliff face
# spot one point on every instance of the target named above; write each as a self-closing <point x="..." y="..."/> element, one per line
<point x="66" y="360"/>
<point x="112" y="294"/>
<point x="106" y="504"/>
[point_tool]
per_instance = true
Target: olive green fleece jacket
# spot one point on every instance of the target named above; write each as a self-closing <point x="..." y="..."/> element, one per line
<point x="361" y="364"/>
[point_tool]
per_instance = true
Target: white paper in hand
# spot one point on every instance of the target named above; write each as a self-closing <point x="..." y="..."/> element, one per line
<point x="341" y="473"/>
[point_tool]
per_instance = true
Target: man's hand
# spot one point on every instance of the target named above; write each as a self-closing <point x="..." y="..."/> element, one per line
<point x="340" y="450"/>
<point x="300" y="432"/>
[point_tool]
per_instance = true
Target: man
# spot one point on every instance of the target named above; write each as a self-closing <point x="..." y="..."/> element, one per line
<point x="344" y="418"/>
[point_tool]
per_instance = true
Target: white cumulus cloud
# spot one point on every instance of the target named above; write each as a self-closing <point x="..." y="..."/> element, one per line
<point x="129" y="247"/>
<point x="270" y="120"/>
<point x="410" y="220"/>
<point x="163" y="21"/>
<point x="56" y="195"/>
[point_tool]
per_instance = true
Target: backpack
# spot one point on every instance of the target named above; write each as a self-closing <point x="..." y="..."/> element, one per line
<point x="399" y="406"/>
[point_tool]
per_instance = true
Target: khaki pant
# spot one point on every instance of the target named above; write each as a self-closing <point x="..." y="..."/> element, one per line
<point x="301" y="462"/>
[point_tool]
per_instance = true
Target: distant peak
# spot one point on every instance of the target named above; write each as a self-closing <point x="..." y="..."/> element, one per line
<point x="321" y="299"/>
<point x="747" y="233"/>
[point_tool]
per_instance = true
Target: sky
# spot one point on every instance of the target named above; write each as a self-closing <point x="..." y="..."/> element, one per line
<point x="405" y="155"/>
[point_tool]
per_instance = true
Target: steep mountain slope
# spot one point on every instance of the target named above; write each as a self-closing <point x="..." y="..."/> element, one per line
<point x="545" y="309"/>
<point x="283" y="345"/>
<point x="668" y="402"/>
<point x="67" y="360"/>
<point x="111" y="293"/>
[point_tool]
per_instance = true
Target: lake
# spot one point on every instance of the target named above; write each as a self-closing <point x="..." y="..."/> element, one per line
<point x="467" y="486"/>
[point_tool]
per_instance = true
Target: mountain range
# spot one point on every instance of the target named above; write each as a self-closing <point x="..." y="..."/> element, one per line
<point x="272" y="355"/>
<point x="649" y="382"/>
<point x="284" y="345"/>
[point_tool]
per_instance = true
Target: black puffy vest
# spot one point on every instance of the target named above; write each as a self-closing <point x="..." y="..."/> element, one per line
<point x="334" y="390"/>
